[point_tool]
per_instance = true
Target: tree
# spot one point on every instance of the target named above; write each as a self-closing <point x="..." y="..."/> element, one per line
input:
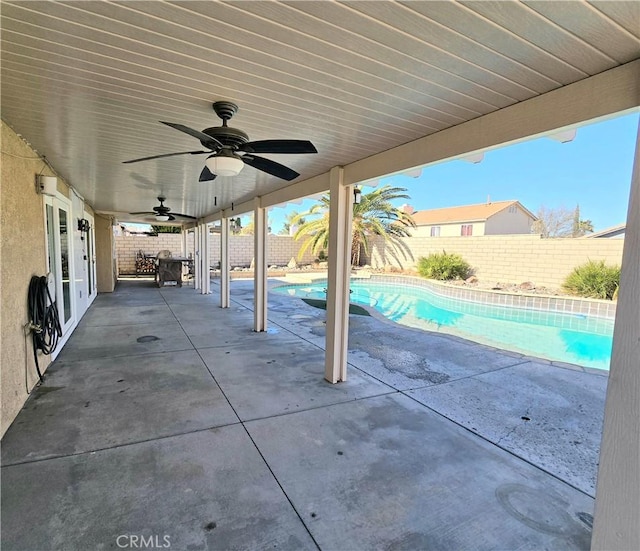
<point x="165" y="229"/>
<point x="293" y="215"/>
<point x="374" y="215"/>
<point x="249" y="228"/>
<point x="560" y="222"/>
<point x="585" y="227"/>
<point x="575" y="229"/>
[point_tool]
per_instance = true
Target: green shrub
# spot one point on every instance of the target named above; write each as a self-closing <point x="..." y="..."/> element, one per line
<point x="443" y="266"/>
<point x="593" y="280"/>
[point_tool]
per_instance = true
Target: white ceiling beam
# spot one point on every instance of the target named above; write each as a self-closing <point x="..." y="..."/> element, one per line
<point x="311" y="186"/>
<point x="601" y="95"/>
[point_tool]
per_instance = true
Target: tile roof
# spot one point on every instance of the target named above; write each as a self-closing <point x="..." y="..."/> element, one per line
<point x="464" y="213"/>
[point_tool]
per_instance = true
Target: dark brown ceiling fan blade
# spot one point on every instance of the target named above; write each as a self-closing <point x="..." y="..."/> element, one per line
<point x="206" y="140"/>
<point x="279" y="146"/>
<point x="182" y="215"/>
<point x="146" y="212"/>
<point x="165" y="155"/>
<point x="206" y="175"/>
<point x="271" y="167"/>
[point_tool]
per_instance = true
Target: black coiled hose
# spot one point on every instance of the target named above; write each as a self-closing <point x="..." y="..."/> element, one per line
<point x="45" y="325"/>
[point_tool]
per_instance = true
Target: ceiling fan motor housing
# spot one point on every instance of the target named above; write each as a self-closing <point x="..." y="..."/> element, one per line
<point x="231" y="137"/>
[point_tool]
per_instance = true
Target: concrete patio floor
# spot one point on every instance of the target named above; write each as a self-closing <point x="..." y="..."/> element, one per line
<point x="165" y="420"/>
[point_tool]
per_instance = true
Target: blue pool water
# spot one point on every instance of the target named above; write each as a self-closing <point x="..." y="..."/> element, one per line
<point x="570" y="338"/>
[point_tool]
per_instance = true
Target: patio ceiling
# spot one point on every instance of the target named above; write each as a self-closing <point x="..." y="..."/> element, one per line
<point x="87" y="82"/>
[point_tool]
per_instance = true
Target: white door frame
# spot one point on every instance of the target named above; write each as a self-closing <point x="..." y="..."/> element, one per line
<point x="90" y="249"/>
<point x="57" y="203"/>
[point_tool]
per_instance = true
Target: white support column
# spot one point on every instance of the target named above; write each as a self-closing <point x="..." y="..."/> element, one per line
<point x="340" y="217"/>
<point x="617" y="510"/>
<point x="260" y="266"/>
<point x="205" y="274"/>
<point x="201" y="256"/>
<point x="224" y="262"/>
<point x="196" y="261"/>
<point x="183" y="246"/>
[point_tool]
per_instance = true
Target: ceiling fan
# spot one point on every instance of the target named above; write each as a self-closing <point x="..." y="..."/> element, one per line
<point x="230" y="148"/>
<point x="164" y="214"/>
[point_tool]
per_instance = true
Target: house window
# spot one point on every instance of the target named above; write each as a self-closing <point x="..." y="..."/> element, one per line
<point x="466" y="229"/>
<point x="513" y="209"/>
<point x="435" y="231"/>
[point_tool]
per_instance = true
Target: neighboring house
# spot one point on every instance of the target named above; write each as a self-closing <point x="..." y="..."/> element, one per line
<point x="613" y="231"/>
<point x="500" y="218"/>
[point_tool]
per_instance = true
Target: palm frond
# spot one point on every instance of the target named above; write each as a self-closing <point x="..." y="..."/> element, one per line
<point x="374" y="215"/>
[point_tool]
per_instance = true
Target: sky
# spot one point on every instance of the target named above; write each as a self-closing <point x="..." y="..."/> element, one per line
<point x="592" y="171"/>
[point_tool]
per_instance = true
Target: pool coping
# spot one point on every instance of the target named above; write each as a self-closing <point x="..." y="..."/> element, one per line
<point x="597" y="308"/>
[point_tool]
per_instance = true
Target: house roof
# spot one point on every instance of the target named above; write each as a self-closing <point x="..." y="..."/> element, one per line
<point x="464" y="213"/>
<point x="613" y="231"/>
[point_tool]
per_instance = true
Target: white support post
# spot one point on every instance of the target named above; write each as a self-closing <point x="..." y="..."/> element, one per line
<point x="196" y="261"/>
<point x="203" y="258"/>
<point x="617" y="509"/>
<point x="224" y="263"/>
<point x="205" y="276"/>
<point x="340" y="235"/>
<point x="183" y="245"/>
<point x="260" y="266"/>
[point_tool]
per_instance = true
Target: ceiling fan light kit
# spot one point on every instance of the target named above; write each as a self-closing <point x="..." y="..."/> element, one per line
<point x="231" y="149"/>
<point x="224" y="165"/>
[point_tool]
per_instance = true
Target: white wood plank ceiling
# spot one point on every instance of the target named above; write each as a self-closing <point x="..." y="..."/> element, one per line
<point x="86" y="82"/>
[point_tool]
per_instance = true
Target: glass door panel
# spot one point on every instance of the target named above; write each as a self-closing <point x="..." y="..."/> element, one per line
<point x="64" y="265"/>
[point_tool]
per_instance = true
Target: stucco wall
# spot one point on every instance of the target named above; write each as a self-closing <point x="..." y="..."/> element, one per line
<point x="22" y="255"/>
<point x="506" y="222"/>
<point x="280" y="249"/>
<point x="447" y="230"/>
<point x="504" y="258"/>
<point x="106" y="261"/>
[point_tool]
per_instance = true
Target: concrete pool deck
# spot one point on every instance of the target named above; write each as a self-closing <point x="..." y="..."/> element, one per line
<point x="222" y="438"/>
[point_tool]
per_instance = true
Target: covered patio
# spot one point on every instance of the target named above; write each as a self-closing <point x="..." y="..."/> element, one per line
<point x="219" y="420"/>
<point x="167" y="419"/>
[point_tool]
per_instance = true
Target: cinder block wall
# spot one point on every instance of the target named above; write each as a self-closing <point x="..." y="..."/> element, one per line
<point x="281" y="248"/>
<point x="128" y="245"/>
<point x="503" y="258"/>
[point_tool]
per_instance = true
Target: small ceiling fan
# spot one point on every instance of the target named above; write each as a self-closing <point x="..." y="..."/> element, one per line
<point x="164" y="214"/>
<point x="230" y="148"/>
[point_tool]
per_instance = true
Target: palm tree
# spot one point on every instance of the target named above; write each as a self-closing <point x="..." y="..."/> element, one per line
<point x="288" y="224"/>
<point x="374" y="215"/>
<point x="585" y="227"/>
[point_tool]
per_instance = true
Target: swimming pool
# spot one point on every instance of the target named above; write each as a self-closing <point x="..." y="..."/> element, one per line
<point x="567" y="337"/>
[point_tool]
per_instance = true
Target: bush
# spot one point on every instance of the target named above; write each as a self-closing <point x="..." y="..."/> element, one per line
<point x="443" y="266"/>
<point x="593" y="280"/>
